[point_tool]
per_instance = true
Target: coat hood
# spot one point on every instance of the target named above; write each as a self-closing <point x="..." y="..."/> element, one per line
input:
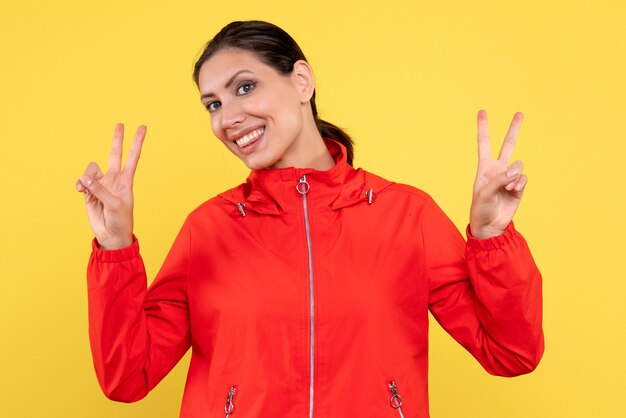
<point x="273" y="191"/>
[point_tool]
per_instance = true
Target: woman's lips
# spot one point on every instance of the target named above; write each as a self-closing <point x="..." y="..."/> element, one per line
<point x="250" y="138"/>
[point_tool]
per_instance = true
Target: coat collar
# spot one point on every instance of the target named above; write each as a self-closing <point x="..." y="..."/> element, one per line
<point x="273" y="191"/>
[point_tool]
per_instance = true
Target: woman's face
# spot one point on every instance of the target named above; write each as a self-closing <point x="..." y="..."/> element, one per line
<point x="255" y="111"/>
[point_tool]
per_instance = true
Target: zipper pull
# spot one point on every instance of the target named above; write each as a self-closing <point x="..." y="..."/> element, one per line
<point x="303" y="186"/>
<point x="230" y="406"/>
<point x="396" y="399"/>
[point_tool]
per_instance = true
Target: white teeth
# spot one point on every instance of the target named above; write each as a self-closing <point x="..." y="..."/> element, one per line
<point x="246" y="139"/>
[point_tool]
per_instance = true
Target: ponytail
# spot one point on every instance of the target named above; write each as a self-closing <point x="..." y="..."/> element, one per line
<point x="331" y="131"/>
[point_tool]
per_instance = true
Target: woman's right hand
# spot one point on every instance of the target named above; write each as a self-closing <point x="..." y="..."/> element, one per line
<point x="109" y="197"/>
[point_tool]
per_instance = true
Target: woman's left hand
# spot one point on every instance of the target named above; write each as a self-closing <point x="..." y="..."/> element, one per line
<point x="499" y="186"/>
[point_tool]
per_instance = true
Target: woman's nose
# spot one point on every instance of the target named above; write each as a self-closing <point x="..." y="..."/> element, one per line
<point x="232" y="115"/>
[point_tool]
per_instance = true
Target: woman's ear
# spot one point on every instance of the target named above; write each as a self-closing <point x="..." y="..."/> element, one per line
<point x="303" y="77"/>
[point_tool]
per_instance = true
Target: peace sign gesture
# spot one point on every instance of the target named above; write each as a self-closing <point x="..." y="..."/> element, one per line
<point x="109" y="197"/>
<point x="498" y="187"/>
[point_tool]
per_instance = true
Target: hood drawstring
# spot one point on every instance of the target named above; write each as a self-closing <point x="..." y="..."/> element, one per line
<point x="242" y="209"/>
<point x="368" y="193"/>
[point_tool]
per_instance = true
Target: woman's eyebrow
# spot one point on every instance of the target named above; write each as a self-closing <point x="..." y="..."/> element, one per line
<point x="228" y="83"/>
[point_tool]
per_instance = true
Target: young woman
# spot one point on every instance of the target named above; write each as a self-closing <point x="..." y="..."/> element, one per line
<point x="305" y="291"/>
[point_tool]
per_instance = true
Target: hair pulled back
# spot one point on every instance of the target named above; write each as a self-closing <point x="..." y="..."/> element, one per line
<point x="276" y="48"/>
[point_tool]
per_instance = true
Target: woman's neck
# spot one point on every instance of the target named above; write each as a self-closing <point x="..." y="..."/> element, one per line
<point x="309" y="151"/>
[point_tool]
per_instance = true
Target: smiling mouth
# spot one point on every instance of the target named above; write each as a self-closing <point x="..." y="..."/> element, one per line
<point x="250" y="138"/>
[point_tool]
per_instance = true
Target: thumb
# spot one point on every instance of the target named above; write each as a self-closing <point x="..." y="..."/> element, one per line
<point x="498" y="182"/>
<point x="503" y="179"/>
<point x="99" y="191"/>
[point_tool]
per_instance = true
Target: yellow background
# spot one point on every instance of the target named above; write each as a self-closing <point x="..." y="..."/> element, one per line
<point x="406" y="79"/>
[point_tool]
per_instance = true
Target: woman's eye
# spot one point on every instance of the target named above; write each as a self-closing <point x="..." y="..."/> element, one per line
<point x="212" y="106"/>
<point x="245" y="88"/>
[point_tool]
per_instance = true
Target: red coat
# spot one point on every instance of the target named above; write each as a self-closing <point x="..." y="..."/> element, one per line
<point x="302" y="311"/>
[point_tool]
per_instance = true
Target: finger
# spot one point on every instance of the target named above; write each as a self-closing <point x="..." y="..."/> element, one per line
<point x="516" y="165"/>
<point x="115" y="158"/>
<point x="518" y="184"/>
<point x="484" y="143"/>
<point x="135" y="151"/>
<point x="521" y="184"/>
<point x="511" y="137"/>
<point x="513" y="173"/>
<point x="92" y="172"/>
<point x="99" y="191"/>
<point x="79" y="187"/>
<point x="506" y="179"/>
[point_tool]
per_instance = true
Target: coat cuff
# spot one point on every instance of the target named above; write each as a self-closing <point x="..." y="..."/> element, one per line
<point x="509" y="235"/>
<point x="114" y="256"/>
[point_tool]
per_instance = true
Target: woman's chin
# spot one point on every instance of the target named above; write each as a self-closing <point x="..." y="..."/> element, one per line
<point x="254" y="162"/>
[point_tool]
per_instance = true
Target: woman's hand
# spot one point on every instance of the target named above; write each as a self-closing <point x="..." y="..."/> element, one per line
<point x="499" y="186"/>
<point x="109" y="197"/>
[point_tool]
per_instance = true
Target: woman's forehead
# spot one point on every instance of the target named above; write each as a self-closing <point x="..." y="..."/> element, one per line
<point x="217" y="71"/>
<point x="229" y="60"/>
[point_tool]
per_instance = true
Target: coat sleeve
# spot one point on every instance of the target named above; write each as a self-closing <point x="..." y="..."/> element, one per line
<point x="486" y="294"/>
<point x="137" y="335"/>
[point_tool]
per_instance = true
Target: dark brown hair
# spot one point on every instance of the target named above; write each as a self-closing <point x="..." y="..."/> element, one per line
<point x="276" y="48"/>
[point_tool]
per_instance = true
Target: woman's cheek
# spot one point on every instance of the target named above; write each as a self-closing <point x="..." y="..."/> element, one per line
<point x="215" y="128"/>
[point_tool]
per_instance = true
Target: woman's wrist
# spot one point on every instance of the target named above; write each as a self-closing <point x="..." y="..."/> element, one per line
<point x="485" y="232"/>
<point x="115" y="243"/>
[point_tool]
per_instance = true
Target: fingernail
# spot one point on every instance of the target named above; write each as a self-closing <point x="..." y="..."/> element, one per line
<point x="518" y="187"/>
<point x="86" y="180"/>
<point x="509" y="186"/>
<point x="512" y="173"/>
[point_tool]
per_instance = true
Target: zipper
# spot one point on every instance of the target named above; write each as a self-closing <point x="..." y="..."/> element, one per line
<point x="396" y="399"/>
<point x="229" y="407"/>
<point x="242" y="209"/>
<point x="303" y="188"/>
